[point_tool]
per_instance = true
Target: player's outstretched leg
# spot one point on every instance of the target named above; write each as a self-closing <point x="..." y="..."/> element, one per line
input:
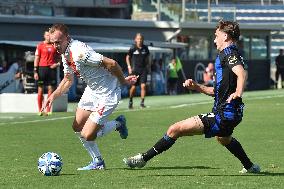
<point x="237" y="150"/>
<point x="191" y="126"/>
<point x="140" y="160"/>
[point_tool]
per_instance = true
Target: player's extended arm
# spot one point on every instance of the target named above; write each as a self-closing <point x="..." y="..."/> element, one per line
<point x="116" y="70"/>
<point x="64" y="85"/>
<point x="190" y="84"/>
<point x="62" y="88"/>
<point x="241" y="80"/>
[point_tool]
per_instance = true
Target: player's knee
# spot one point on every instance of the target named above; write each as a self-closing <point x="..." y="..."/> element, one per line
<point x="88" y="136"/>
<point x="76" y="128"/>
<point x="224" y="140"/>
<point x="174" y="131"/>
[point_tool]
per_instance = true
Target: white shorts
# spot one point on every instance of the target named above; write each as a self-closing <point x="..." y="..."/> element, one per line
<point x="100" y="106"/>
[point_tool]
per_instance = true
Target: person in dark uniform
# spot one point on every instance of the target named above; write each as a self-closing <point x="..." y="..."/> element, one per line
<point x="227" y="110"/>
<point x="137" y="60"/>
<point x="279" y="61"/>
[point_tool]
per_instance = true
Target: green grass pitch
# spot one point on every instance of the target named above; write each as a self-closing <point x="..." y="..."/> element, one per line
<point x="193" y="162"/>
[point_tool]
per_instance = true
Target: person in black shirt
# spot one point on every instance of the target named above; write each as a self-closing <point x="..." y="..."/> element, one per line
<point x="279" y="61"/>
<point x="137" y="60"/>
<point x="227" y="110"/>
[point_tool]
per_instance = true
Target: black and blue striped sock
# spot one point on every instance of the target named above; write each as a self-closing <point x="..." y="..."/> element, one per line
<point x="237" y="150"/>
<point x="162" y="145"/>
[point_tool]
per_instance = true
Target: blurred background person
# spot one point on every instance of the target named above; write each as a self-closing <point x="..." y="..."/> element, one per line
<point x="172" y="77"/>
<point x="4" y="66"/>
<point x="157" y="77"/>
<point x="45" y="64"/>
<point x="18" y="67"/>
<point x="208" y="75"/>
<point x="137" y="60"/>
<point x="11" y="77"/>
<point x="279" y="61"/>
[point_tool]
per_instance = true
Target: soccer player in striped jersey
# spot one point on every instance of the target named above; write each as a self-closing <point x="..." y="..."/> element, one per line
<point x="227" y="111"/>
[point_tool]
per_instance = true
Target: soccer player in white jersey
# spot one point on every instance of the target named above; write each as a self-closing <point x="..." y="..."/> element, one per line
<point x="103" y="77"/>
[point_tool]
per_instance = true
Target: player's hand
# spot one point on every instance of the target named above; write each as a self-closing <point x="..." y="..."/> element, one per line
<point x="190" y="84"/>
<point x="131" y="80"/>
<point x="47" y="103"/>
<point x="36" y="76"/>
<point x="233" y="96"/>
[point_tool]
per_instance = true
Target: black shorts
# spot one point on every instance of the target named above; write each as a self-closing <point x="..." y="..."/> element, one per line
<point x="142" y="77"/>
<point x="46" y="76"/>
<point x="222" y="123"/>
<point x="214" y="125"/>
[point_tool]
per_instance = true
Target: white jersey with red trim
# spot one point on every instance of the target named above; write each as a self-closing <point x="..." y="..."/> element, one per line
<point x="85" y="63"/>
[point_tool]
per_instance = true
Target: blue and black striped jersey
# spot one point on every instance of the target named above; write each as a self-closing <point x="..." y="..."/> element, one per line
<point x="226" y="79"/>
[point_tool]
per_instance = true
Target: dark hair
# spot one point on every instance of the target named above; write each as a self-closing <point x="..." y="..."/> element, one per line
<point x="230" y="28"/>
<point x="60" y="27"/>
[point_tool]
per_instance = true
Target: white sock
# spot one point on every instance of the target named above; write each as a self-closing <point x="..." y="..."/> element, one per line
<point x="96" y="154"/>
<point x="107" y="128"/>
<point x="91" y="147"/>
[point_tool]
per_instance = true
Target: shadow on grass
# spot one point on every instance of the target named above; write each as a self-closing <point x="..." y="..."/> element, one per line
<point x="264" y="173"/>
<point x="179" y="167"/>
<point x="169" y="168"/>
<point x="220" y="175"/>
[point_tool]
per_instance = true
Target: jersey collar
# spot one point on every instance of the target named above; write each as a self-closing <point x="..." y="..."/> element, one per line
<point x="228" y="49"/>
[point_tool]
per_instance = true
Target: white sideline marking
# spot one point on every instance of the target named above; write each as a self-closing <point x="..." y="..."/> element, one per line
<point x="11" y="117"/>
<point x="265" y="97"/>
<point x="191" y="104"/>
<point x="38" y="120"/>
<point x="175" y="106"/>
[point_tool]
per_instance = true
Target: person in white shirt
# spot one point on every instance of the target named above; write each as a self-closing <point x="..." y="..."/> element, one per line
<point x="103" y="77"/>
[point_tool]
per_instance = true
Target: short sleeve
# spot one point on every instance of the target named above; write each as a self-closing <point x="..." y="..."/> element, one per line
<point x="38" y="51"/>
<point x="86" y="54"/>
<point x="130" y="51"/>
<point x="234" y="60"/>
